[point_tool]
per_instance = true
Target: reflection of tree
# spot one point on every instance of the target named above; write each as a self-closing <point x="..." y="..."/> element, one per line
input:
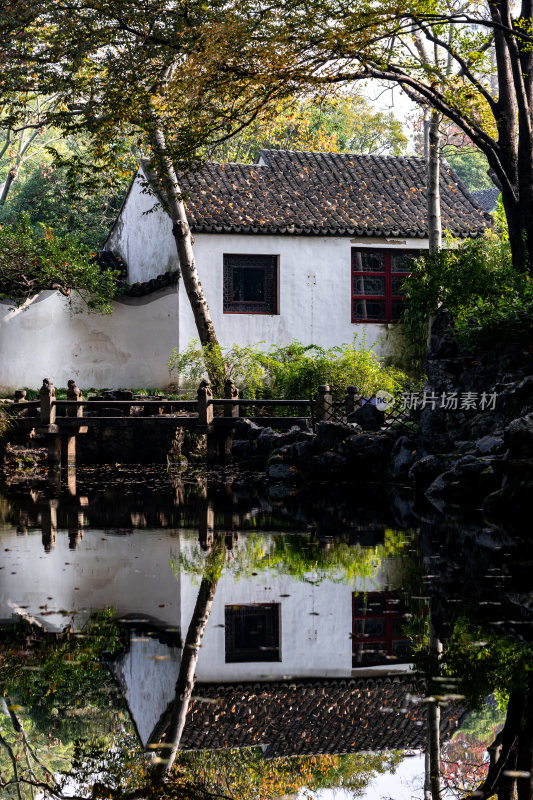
<point x="246" y="775"/>
<point x="299" y="555"/>
<point x="474" y="663"/>
<point x="171" y="726"/>
<point x="54" y="690"/>
<point x="58" y="678"/>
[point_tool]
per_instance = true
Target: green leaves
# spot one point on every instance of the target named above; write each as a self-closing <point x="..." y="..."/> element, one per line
<point x="294" y="371"/>
<point x="31" y="262"/>
<point x="476" y="283"/>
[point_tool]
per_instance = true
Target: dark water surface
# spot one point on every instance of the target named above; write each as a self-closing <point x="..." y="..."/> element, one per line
<point x="344" y="628"/>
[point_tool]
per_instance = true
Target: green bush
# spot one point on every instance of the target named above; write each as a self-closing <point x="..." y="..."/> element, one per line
<point x="475" y="281"/>
<point x="4" y="427"/>
<point x="290" y="372"/>
<point x="31" y="262"/>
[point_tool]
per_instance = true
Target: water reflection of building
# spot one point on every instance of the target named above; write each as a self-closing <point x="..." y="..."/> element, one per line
<point x="267" y="629"/>
<point x="309" y="717"/>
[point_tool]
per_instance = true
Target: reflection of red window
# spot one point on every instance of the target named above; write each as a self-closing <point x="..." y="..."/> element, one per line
<point x="377" y="277"/>
<point x="377" y="635"/>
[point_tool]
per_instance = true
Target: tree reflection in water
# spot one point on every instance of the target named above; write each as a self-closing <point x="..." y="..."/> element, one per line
<point x="65" y="729"/>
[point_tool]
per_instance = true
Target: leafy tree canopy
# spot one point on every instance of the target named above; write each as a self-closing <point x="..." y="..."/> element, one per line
<point x="340" y="123"/>
<point x="31" y="262"/>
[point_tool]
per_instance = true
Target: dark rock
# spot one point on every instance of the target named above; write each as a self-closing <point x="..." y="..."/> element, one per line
<point x="328" y="434"/>
<point x="441" y="341"/>
<point x="402" y="457"/>
<point x="511" y="505"/>
<point x="368" y="417"/>
<point x="279" y="471"/>
<point x="366" y="456"/>
<point x="303" y="449"/>
<point x="516" y="399"/>
<point x="246" y="429"/>
<point x="490" y="444"/>
<point x="267" y="441"/>
<point x="519" y="437"/>
<point x="424" y="471"/>
<point x="242" y="450"/>
<point x="326" y="466"/>
<point x="467" y="483"/>
<point x="464" y="447"/>
<point x="295" y="434"/>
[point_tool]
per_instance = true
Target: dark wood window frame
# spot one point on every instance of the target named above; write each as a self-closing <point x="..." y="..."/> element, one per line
<point x="392" y="611"/>
<point x="271" y="613"/>
<point x="388" y="298"/>
<point x="269" y="263"/>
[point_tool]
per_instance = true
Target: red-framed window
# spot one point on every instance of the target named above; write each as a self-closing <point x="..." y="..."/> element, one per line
<point x="377" y="277"/>
<point x="377" y="630"/>
<point x="250" y="284"/>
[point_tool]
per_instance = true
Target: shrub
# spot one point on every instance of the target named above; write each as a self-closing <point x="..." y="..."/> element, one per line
<point x="475" y="281"/>
<point x="31" y="262"/>
<point x="4" y="427"/>
<point x="292" y="371"/>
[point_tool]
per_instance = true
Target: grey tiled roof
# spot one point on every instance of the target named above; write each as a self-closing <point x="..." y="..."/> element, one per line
<point x="487" y="198"/>
<point x="325" y="194"/>
<point x="309" y="717"/>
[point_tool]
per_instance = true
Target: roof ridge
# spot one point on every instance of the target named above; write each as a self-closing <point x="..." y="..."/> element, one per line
<point x="385" y="156"/>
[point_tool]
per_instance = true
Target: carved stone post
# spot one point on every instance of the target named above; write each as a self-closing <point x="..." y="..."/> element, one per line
<point x="206" y="525"/>
<point x="205" y="406"/>
<point x="47" y="394"/>
<point x="230" y="412"/>
<point x="68" y="450"/>
<point x="49" y="525"/>
<point x="352" y="400"/>
<point x="231" y="393"/>
<point x="74" y="394"/>
<point x="324" y="404"/>
<point x="20" y="396"/>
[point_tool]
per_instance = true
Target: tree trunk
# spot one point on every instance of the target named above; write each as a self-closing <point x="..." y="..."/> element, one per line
<point x="432" y="782"/>
<point x="4" y="191"/>
<point x="503" y="750"/>
<point x="524" y="762"/>
<point x="175" y="722"/>
<point x="506" y="789"/>
<point x="184" y="242"/>
<point x="520" y="228"/>
<point x="425" y="133"/>
<point x="427" y="772"/>
<point x="433" y="185"/>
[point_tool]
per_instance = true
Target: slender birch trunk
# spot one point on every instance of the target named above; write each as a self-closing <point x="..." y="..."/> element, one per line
<point x="432" y="787"/>
<point x="175" y="723"/>
<point x="184" y="244"/>
<point x="433" y="185"/>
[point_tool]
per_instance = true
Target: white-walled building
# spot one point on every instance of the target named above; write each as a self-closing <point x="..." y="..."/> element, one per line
<point x="306" y="246"/>
<point x="296" y="666"/>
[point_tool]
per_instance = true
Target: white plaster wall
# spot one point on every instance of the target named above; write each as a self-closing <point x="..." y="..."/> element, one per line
<point x="131" y="573"/>
<point x="314" y="291"/>
<point x="129" y="348"/>
<point x="315" y="623"/>
<point x="142" y="235"/>
<point x="147" y="674"/>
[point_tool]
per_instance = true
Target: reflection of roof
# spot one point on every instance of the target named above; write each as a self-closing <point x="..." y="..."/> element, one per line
<point x="487" y="198"/>
<point x="325" y="194"/>
<point x="309" y="717"/>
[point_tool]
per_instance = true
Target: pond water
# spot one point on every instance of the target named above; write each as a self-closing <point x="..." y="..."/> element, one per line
<point x="182" y="635"/>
